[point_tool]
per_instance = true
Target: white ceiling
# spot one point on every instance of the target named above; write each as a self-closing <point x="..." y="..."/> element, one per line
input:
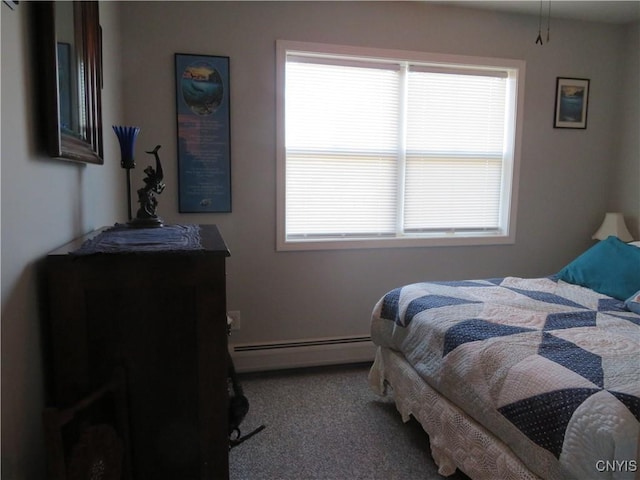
<point x="625" y="11"/>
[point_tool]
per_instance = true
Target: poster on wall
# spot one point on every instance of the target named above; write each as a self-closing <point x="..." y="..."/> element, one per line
<point x="204" y="137"/>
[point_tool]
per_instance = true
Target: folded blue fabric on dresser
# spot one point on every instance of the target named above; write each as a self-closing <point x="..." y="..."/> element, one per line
<point x="123" y="239"/>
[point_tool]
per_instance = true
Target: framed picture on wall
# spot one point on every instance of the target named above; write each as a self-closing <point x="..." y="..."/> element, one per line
<point x="203" y="116"/>
<point x="572" y="101"/>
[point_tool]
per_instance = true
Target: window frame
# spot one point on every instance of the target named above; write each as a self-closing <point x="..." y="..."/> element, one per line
<point x="511" y="166"/>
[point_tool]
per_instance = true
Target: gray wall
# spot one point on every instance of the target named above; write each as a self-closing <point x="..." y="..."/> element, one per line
<point x="566" y="175"/>
<point x="624" y="193"/>
<point x="569" y="178"/>
<point x="45" y="203"/>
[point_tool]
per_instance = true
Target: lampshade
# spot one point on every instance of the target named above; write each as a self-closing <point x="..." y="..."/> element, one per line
<point x="613" y="224"/>
<point x="127" y="138"/>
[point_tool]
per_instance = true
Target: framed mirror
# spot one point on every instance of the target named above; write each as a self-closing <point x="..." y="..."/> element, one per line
<point x="69" y="54"/>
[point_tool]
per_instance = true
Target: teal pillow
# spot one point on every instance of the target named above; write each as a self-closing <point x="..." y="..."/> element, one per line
<point x="611" y="267"/>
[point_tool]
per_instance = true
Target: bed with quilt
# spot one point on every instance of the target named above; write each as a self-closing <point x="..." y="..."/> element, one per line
<point x="517" y="378"/>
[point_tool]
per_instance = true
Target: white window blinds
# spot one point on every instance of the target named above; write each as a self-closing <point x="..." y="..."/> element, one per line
<point x="341" y="141"/>
<point x="455" y="144"/>
<point x="384" y="148"/>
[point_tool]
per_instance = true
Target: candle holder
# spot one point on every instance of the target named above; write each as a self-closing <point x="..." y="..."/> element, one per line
<point x="127" y="138"/>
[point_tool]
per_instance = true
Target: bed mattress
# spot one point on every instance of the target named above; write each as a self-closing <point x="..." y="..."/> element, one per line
<point x="551" y="369"/>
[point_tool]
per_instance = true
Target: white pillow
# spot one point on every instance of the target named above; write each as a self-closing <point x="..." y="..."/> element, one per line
<point x="635" y="244"/>
<point x="633" y="302"/>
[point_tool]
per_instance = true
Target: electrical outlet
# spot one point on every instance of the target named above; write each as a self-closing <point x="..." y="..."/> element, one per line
<point x="234" y="315"/>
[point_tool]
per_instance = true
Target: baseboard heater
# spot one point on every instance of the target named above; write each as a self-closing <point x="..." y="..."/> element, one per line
<point x="250" y="357"/>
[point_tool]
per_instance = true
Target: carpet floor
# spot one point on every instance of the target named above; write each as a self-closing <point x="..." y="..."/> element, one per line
<point x="326" y="424"/>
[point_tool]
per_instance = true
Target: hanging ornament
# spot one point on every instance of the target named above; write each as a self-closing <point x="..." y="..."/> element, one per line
<point x="539" y="39"/>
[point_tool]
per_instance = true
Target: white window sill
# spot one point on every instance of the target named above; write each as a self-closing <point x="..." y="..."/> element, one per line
<point x="409" y="241"/>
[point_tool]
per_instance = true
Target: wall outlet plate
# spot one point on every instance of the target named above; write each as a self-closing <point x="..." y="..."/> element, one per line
<point x="234" y="316"/>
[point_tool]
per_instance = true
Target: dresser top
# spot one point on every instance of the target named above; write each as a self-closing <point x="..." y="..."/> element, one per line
<point x="210" y="241"/>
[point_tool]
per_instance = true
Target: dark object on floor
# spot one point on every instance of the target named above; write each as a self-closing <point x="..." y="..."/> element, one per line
<point x="237" y="441"/>
<point x="238" y="409"/>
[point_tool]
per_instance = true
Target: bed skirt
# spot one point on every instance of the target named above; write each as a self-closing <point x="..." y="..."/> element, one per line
<point x="457" y="441"/>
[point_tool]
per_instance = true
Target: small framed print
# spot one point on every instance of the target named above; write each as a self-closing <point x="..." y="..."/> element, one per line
<point x="572" y="101"/>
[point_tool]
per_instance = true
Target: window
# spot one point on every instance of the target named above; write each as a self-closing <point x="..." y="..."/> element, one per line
<point x="390" y="148"/>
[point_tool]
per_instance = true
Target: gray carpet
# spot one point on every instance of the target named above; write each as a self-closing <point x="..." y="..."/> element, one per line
<point x="327" y="424"/>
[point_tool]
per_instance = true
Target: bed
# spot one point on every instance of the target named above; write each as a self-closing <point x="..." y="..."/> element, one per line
<point x="521" y="378"/>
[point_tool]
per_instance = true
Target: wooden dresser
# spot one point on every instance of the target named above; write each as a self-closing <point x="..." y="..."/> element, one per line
<point x="160" y="315"/>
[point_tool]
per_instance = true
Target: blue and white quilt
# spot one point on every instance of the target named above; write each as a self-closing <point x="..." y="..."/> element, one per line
<point x="550" y="368"/>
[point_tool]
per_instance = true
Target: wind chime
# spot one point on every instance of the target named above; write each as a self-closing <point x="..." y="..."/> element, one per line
<point x="539" y="39"/>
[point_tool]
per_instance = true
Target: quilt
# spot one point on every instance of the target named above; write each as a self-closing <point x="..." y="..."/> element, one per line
<point x="550" y="368"/>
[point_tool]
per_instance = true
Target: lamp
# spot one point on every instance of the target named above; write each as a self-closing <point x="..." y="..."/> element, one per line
<point x="613" y="224"/>
<point x="127" y="138"/>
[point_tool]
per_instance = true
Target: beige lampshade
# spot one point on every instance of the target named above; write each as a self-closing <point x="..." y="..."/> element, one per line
<point x="613" y="224"/>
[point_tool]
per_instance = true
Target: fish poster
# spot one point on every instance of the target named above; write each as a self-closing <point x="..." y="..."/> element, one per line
<point x="204" y="137"/>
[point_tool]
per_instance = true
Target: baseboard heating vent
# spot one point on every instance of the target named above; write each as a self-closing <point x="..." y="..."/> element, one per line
<point x="302" y="353"/>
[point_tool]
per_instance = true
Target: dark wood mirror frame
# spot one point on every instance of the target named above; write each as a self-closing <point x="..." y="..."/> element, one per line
<point x="83" y="141"/>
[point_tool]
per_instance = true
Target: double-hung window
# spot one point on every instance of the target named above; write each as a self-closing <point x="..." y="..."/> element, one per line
<point x="393" y="148"/>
